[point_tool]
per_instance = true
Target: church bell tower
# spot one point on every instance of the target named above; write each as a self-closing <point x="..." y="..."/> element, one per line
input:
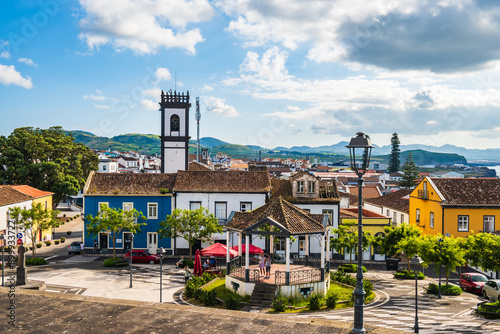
<point x="174" y="137"/>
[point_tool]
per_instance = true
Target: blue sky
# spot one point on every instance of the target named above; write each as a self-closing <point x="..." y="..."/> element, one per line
<point x="268" y="72"/>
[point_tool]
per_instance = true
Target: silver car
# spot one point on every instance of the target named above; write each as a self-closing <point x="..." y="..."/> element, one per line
<point x="74" y="248"/>
<point x="491" y="289"/>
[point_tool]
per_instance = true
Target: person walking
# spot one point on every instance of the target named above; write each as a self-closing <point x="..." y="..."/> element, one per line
<point x="96" y="247"/>
<point x="82" y="249"/>
<point x="268" y="266"/>
<point x="262" y="261"/>
<point x="187" y="274"/>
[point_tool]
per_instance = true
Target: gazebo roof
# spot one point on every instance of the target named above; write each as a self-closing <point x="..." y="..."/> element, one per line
<point x="286" y="219"/>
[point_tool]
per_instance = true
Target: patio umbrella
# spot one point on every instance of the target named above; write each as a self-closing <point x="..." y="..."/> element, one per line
<point x="251" y="249"/>
<point x="197" y="264"/>
<point x="217" y="249"/>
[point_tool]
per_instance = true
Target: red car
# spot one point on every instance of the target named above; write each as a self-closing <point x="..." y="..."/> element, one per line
<point x="472" y="282"/>
<point x="142" y="256"/>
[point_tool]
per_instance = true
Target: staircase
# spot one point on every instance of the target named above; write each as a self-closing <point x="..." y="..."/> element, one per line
<point x="262" y="297"/>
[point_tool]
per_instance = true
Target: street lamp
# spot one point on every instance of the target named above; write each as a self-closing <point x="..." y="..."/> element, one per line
<point x="360" y="145"/>
<point x="416" y="260"/>
<point x="161" y="254"/>
<point x="440" y="259"/>
<point x="131" y="255"/>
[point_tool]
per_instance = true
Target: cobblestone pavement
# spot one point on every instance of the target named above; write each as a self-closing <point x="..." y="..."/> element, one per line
<point x="395" y="309"/>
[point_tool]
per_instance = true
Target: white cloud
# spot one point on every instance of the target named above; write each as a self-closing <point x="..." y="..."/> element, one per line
<point x="207" y="88"/>
<point x="431" y="123"/>
<point x="163" y="74"/>
<point x="102" y="106"/>
<point x="98" y="97"/>
<point x="143" y="26"/>
<point x="153" y="92"/>
<point x="218" y="106"/>
<point x="5" y="54"/>
<point x="27" y="61"/>
<point x="147" y="104"/>
<point x="9" y="75"/>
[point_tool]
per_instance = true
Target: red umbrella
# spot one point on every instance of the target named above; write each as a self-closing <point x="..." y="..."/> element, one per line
<point x="251" y="249"/>
<point x="197" y="264"/>
<point x="217" y="249"/>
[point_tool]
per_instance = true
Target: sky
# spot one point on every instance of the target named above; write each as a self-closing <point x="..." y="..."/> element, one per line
<point x="267" y="72"/>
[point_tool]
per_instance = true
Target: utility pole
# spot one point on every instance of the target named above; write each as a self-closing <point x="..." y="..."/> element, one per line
<point x="198" y="117"/>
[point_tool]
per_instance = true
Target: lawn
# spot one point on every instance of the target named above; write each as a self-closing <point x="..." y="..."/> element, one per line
<point x="219" y="285"/>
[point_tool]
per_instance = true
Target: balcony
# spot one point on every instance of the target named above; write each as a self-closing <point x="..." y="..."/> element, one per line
<point x="423" y="194"/>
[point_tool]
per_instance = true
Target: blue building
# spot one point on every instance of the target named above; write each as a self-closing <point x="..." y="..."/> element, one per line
<point x="150" y="194"/>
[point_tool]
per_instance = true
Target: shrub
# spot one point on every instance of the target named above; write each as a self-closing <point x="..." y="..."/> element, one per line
<point x="207" y="297"/>
<point x="343" y="277"/>
<point x="114" y="262"/>
<point x="68" y="232"/>
<point x="446" y="289"/>
<point x="190" y="289"/>
<point x="408" y="274"/>
<point x="35" y="261"/>
<point x="232" y="303"/>
<point x="331" y="300"/>
<point x="48" y="243"/>
<point x="63" y="239"/>
<point x="315" y="302"/>
<point x="351" y="268"/>
<point x="491" y="310"/>
<point x="367" y="286"/>
<point x="56" y="242"/>
<point x="164" y="190"/>
<point x="64" y="215"/>
<point x="279" y="304"/>
<point x="39" y="245"/>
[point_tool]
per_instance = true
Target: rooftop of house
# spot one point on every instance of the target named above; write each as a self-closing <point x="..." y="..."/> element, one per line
<point x="368" y="192"/>
<point x="9" y="195"/>
<point x="398" y="200"/>
<point x="283" y="188"/>
<point x="196" y="166"/>
<point x="33" y="192"/>
<point x="353" y="213"/>
<point x="222" y="181"/>
<point x="469" y="192"/>
<point x="293" y="219"/>
<point x="128" y="183"/>
<point x="353" y="199"/>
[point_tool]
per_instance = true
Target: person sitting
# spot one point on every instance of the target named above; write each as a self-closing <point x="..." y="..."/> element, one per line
<point x="206" y="265"/>
<point x="212" y="262"/>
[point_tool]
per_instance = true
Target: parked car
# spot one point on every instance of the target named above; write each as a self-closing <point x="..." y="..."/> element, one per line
<point x="473" y="282"/>
<point x="74" y="248"/>
<point x="142" y="256"/>
<point x="491" y="289"/>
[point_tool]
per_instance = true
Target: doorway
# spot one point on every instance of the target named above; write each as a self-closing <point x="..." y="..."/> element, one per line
<point x="152" y="242"/>
<point x="302" y="246"/>
<point x="103" y="241"/>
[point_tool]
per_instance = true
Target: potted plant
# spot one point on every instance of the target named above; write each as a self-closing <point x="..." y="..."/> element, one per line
<point x="39" y="245"/>
<point x="48" y="242"/>
<point x="68" y="232"/>
<point x="63" y="239"/>
<point x="56" y="242"/>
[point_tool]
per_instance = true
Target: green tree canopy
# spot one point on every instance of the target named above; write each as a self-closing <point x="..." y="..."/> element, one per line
<point x="452" y="256"/>
<point x="394" y="157"/>
<point x="394" y="235"/>
<point x="410" y="173"/>
<point x="33" y="220"/>
<point x="483" y="250"/>
<point x="113" y="222"/>
<point x="345" y="238"/>
<point x="46" y="159"/>
<point x="192" y="225"/>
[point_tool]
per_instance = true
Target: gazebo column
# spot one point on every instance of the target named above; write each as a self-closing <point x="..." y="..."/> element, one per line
<point x="247" y="258"/>
<point x="287" y="274"/>
<point x="322" y="244"/>
<point x="271" y="244"/>
<point x="240" y="243"/>
<point x="328" y="245"/>
<point x="228" y="258"/>
<point x="307" y="249"/>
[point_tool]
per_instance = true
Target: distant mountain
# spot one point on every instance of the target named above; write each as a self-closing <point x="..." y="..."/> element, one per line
<point x="211" y="142"/>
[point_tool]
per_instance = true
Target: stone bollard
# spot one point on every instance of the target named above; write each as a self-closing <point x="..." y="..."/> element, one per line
<point x="21" y="267"/>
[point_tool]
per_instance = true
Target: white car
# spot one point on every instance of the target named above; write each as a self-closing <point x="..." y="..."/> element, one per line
<point x="491" y="289"/>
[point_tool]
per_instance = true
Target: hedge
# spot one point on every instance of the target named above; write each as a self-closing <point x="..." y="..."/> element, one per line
<point x="408" y="274"/>
<point x="446" y="289"/>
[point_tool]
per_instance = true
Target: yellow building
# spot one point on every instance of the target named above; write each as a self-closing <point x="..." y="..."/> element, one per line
<point x="455" y="206"/>
<point x="39" y="196"/>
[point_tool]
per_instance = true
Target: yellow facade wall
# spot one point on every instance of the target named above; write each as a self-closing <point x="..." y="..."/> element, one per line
<point x="370" y="225"/>
<point x="46" y="202"/>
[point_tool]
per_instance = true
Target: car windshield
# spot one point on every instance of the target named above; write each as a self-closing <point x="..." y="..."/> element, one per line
<point x="146" y="254"/>
<point x="479" y="278"/>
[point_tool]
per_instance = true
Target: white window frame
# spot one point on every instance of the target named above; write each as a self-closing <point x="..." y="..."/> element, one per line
<point x="155" y="206"/>
<point x="128" y="206"/>
<point x="245" y="206"/>
<point x="300" y="187"/>
<point x="491" y="219"/>
<point x="194" y="202"/>
<point x="311" y="187"/>
<point x="431" y="220"/>
<point x="99" y="205"/>
<point x="463" y="220"/>
<point x="217" y="212"/>
<point x="417" y="217"/>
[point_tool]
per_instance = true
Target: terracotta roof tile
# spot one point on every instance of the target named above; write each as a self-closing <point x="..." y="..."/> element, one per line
<point x="482" y="192"/>
<point x="283" y="188"/>
<point x="222" y="181"/>
<point x="292" y="218"/>
<point x="133" y="183"/>
<point x="33" y="192"/>
<point x="368" y="192"/>
<point x="398" y="200"/>
<point x="196" y="166"/>
<point x="8" y="196"/>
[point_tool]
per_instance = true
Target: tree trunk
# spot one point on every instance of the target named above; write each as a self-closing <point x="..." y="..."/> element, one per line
<point x="350" y="257"/>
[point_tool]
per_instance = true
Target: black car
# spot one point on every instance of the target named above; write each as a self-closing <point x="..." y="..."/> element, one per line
<point x="74" y="248"/>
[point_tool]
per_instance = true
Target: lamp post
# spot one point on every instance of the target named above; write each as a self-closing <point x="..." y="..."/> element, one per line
<point x="2" y="237"/>
<point x="416" y="260"/>
<point x="161" y="254"/>
<point x="131" y="255"/>
<point x="440" y="257"/>
<point x="361" y="144"/>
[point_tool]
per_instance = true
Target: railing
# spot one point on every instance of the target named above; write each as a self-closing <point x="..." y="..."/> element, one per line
<point x="253" y="274"/>
<point x="314" y="262"/>
<point x="327" y="267"/>
<point x="298" y="276"/>
<point x="174" y="97"/>
<point x="423" y="194"/>
<point x="234" y="264"/>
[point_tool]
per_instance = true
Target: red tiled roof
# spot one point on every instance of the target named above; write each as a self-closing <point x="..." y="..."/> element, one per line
<point x="223" y="181"/>
<point x="197" y="166"/>
<point x="293" y="219"/>
<point x="368" y="192"/>
<point x="128" y="183"/>
<point x="9" y="195"/>
<point x="33" y="192"/>
<point x="398" y="200"/>
<point x="469" y="192"/>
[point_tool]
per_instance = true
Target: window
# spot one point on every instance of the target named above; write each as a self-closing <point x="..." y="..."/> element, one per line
<point x="220" y="210"/>
<point x="388" y="213"/>
<point x="489" y="223"/>
<point x="128" y="206"/>
<point x="431" y="220"/>
<point x="417" y="216"/>
<point x="329" y="213"/>
<point x="103" y="167"/>
<point x="311" y="187"/>
<point x="463" y="223"/>
<point x="100" y="205"/>
<point x="152" y="210"/>
<point x="300" y="187"/>
<point x="194" y="205"/>
<point x="402" y="219"/>
<point x="245" y="206"/>
<point x="394" y="217"/>
<point x="174" y="123"/>
<point x="281" y="244"/>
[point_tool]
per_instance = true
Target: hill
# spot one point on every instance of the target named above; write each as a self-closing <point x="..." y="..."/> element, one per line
<point x="423" y="158"/>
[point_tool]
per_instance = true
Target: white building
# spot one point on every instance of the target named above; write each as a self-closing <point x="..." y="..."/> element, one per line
<point x="10" y="198"/>
<point x="107" y="166"/>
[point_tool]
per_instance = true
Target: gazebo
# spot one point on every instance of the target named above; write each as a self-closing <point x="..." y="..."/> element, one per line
<point x="280" y="218"/>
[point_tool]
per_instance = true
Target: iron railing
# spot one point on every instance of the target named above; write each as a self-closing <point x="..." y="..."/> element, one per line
<point x="298" y="276"/>
<point x="423" y="194"/>
<point x="253" y="274"/>
<point x="308" y="261"/>
<point x="234" y="264"/>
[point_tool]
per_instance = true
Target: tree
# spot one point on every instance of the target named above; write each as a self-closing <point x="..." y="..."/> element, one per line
<point x="33" y="220"/>
<point x="346" y="239"/>
<point x="192" y="225"/>
<point x="452" y="254"/>
<point x="394" y="160"/>
<point x="410" y="246"/>
<point x="482" y="250"/>
<point x="114" y="222"/>
<point x="47" y="160"/>
<point x="410" y="173"/>
<point x="394" y="235"/>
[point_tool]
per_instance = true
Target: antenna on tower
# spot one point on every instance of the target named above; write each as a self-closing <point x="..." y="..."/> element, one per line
<point x="175" y="79"/>
<point x="198" y="117"/>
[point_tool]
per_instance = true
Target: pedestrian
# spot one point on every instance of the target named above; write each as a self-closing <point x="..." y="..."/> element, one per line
<point x="262" y="261"/>
<point x="96" y="247"/>
<point x="268" y="266"/>
<point x="187" y="274"/>
<point x="180" y="263"/>
<point x="82" y="249"/>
